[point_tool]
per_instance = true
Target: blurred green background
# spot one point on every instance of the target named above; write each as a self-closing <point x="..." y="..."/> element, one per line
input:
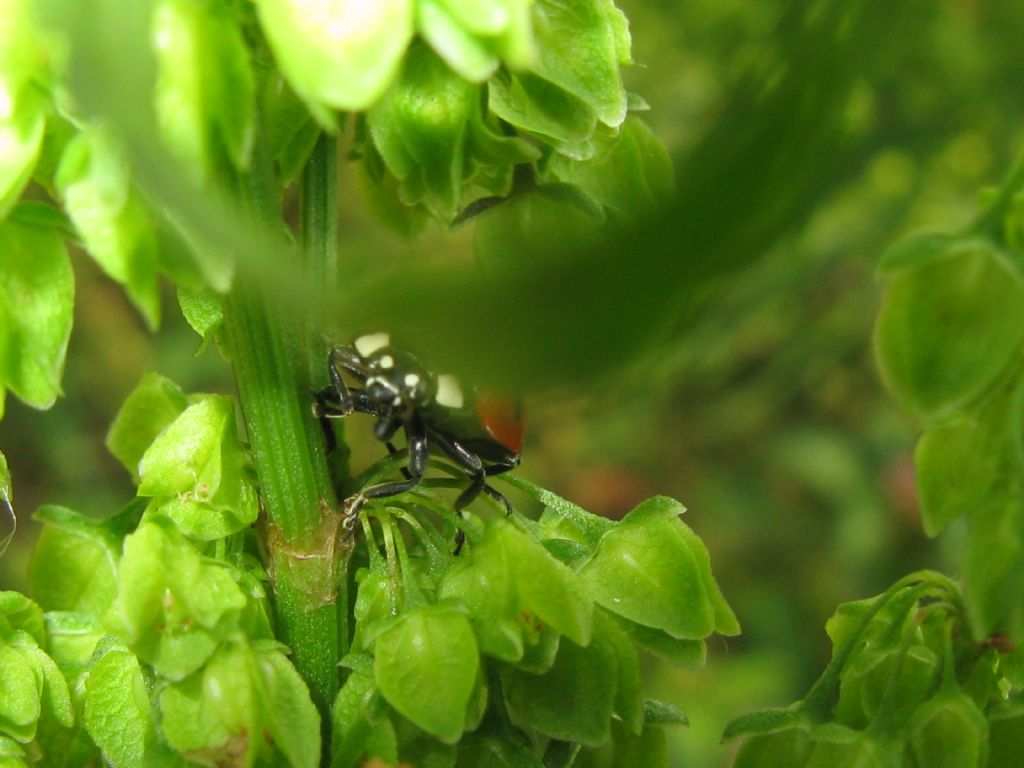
<point x="764" y="414"/>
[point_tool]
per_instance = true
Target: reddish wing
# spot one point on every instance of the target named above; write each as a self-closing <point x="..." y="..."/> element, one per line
<point x="503" y="418"/>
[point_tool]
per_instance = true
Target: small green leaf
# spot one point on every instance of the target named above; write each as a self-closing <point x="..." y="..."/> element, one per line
<point x="932" y="317"/>
<point x="691" y="654"/>
<point x="22" y="118"/>
<point x="644" y="750"/>
<point x="580" y="46"/>
<point x="94" y="183"/>
<point x="572" y="701"/>
<point x="185" y="456"/>
<point x="662" y="713"/>
<point x="72" y="639"/>
<point x="632" y="176"/>
<point x="22" y="126"/>
<point x="20" y="702"/>
<point x="204" y="88"/>
<point x="629" y="703"/>
<point x="202" y="310"/>
<point x="154" y="403"/>
<point x="117" y="713"/>
<point x="835" y="746"/>
<point x="483" y="583"/>
<point x="420" y="126"/>
<point x="172" y="607"/>
<point x="789" y="747"/>
<point x="36" y="298"/>
<point x="22" y="614"/>
<point x="293" y="720"/>
<point x="463" y="51"/>
<point x="550" y="589"/>
<point x="993" y="569"/>
<point x="426" y="667"/>
<point x="645" y="570"/>
<point x="88" y="552"/>
<point x="339" y="53"/>
<point x="949" y="731"/>
<point x="217" y="711"/>
<point x="355" y="731"/>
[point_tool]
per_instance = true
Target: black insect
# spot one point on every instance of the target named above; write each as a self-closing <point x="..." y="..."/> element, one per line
<point x="396" y="388"/>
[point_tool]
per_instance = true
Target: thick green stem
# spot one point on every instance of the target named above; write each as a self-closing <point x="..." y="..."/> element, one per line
<point x="268" y="350"/>
<point x="318" y="228"/>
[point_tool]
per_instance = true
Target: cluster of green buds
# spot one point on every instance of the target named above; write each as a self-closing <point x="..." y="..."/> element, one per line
<point x="906" y="688"/>
<point x="534" y="631"/>
<point x="158" y="616"/>
<point x="158" y="642"/>
<point x="948" y="339"/>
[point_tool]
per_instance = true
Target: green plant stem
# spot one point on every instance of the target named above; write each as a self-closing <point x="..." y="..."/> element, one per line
<point x="318" y="230"/>
<point x="268" y="354"/>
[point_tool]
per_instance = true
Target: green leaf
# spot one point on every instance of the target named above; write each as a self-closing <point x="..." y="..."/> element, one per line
<point x="949" y="731"/>
<point x="293" y="720"/>
<point x="539" y="107"/>
<point x="632" y="176"/>
<point x="117" y="713"/>
<point x="22" y="127"/>
<point x="20" y="704"/>
<point x="572" y="701"/>
<point x="875" y="674"/>
<point x="662" y="713"/>
<point x="993" y="569"/>
<point x="172" y="607"/>
<point x="87" y="551"/>
<point x="55" y="698"/>
<point x="691" y="654"/>
<point x="216" y="712"/>
<point x="836" y="746"/>
<point x="645" y="570"/>
<point x="483" y="583"/>
<point x="629" y="702"/>
<point x="23" y="112"/>
<point x="426" y="667"/>
<point x="932" y="316"/>
<point x="644" y="750"/>
<point x="36" y="298"/>
<point x="764" y="721"/>
<point x="355" y="731"/>
<point x="94" y="183"/>
<point x="202" y="310"/>
<point x="72" y="639"/>
<point x="339" y="53"/>
<point x="547" y="587"/>
<point x="22" y="614"/>
<point x="154" y="403"/>
<point x="185" y="456"/>
<point x="790" y="747"/>
<point x="204" y="88"/>
<point x="468" y="55"/>
<point x="580" y="46"/>
<point x="420" y="128"/>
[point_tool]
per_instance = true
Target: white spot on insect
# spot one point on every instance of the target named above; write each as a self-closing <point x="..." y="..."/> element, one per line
<point x="387" y="362"/>
<point x="411" y="380"/>
<point x="371" y="342"/>
<point x="396" y="401"/>
<point x="449" y="394"/>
